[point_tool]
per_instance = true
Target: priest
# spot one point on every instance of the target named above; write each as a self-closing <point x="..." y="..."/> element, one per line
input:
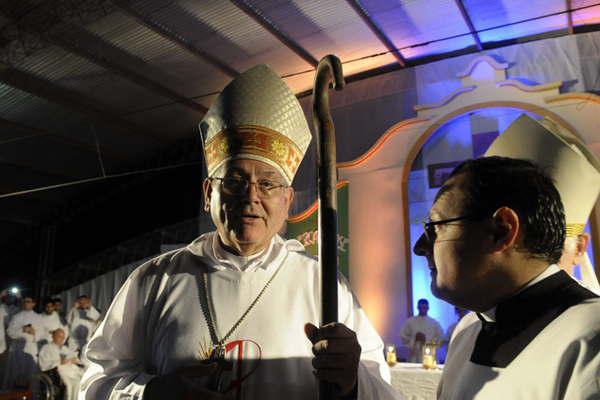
<point x="235" y="313"/>
<point x="495" y="236"/>
<point x="576" y="174"/>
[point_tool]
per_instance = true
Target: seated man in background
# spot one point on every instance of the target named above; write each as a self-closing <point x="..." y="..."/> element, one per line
<point x="61" y="364"/>
<point x="496" y="232"/>
<point x="420" y="329"/>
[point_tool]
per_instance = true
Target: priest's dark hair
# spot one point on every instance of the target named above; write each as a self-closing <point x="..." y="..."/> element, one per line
<point x="494" y="182"/>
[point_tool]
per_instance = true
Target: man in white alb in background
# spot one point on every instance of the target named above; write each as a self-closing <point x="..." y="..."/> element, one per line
<point x="8" y="308"/>
<point x="50" y="321"/>
<point x="25" y="329"/>
<point x="420" y="329"/>
<point x="56" y="355"/>
<point x="82" y="319"/>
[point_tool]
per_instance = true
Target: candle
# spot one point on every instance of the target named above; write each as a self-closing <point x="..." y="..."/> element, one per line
<point x="390" y="355"/>
<point x="429" y="361"/>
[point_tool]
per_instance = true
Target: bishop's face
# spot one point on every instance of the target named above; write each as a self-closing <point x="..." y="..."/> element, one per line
<point x="247" y="220"/>
<point x="456" y="257"/>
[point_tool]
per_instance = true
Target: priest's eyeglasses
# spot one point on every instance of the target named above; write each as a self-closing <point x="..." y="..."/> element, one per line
<point x="265" y="188"/>
<point x="429" y="226"/>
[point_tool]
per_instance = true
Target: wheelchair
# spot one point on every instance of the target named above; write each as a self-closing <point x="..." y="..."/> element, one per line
<point x="47" y="386"/>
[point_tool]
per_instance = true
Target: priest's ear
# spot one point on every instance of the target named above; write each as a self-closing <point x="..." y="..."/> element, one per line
<point x="506" y="229"/>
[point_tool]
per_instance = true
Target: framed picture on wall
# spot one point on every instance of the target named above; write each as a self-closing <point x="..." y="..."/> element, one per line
<point x="438" y="173"/>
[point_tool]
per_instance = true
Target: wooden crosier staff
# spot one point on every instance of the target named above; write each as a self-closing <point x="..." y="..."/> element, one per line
<point x="329" y="71"/>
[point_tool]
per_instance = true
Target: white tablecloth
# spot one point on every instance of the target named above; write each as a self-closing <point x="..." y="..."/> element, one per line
<point x="414" y="382"/>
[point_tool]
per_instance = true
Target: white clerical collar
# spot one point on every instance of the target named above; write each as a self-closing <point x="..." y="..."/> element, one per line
<point x="240" y="263"/>
<point x="490" y="315"/>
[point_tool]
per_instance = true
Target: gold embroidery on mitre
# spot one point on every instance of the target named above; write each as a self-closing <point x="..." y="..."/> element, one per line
<point x="279" y="148"/>
<point x="575" y="229"/>
<point x="255" y="140"/>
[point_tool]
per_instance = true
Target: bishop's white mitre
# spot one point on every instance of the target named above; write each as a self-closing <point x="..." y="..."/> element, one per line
<point x="256" y="117"/>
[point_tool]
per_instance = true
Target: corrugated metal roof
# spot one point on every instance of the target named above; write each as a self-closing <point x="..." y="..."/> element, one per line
<point x="239" y="40"/>
<point x="74" y="72"/>
<point x="588" y="13"/>
<point x="414" y="27"/>
<point x="179" y="69"/>
<point x="328" y="27"/>
<point x="487" y="15"/>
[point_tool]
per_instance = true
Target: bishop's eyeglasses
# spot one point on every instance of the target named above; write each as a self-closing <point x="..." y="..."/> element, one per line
<point x="265" y="188"/>
<point x="429" y="226"/>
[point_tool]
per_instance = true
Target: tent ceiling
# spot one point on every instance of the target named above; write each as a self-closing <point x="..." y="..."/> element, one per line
<point x="102" y="87"/>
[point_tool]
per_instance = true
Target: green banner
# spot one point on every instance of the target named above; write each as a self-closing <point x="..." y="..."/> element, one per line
<point x="304" y="228"/>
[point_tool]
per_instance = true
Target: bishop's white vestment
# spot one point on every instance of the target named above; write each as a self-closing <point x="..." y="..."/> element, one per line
<point x="156" y="323"/>
<point x="543" y="343"/>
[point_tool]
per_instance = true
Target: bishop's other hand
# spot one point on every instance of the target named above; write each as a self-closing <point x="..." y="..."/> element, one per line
<point x="337" y="354"/>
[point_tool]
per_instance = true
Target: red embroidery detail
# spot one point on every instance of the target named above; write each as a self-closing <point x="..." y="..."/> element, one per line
<point x="238" y="363"/>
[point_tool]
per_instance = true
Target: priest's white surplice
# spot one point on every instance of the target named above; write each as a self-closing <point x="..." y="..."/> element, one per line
<point x="562" y="361"/>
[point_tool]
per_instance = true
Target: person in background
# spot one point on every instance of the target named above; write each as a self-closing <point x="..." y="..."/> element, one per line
<point x="25" y="330"/>
<point x="495" y="233"/>
<point x="7" y="309"/>
<point x="3" y="317"/>
<point x="50" y="321"/>
<point x="58" y="307"/>
<point x="575" y="171"/>
<point x="82" y="319"/>
<point x="420" y="329"/>
<point x="58" y="361"/>
<point x="10" y="301"/>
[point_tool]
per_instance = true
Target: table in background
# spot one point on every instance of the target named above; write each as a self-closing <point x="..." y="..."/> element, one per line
<point x="414" y="382"/>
